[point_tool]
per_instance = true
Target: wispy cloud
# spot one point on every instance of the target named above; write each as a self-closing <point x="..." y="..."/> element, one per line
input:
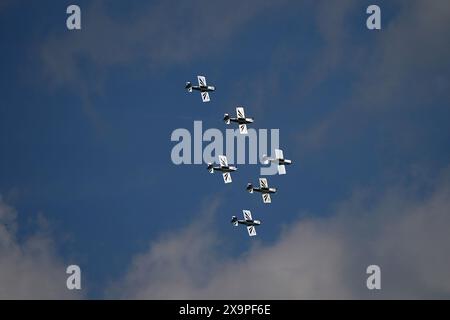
<point x="404" y="231"/>
<point x="159" y="35"/>
<point x="177" y="262"/>
<point x="403" y="67"/>
<point x="30" y="268"/>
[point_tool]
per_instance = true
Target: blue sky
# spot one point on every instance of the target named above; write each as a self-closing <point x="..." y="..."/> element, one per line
<point x="86" y="118"/>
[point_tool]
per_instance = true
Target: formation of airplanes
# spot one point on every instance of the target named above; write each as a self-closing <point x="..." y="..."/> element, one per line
<point x="227" y="169"/>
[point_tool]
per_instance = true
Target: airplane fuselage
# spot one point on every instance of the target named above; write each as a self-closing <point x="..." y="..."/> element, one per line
<point x="242" y="120"/>
<point x="280" y="161"/>
<point x="225" y="169"/>
<point x="204" y="88"/>
<point x="249" y="222"/>
<point x="284" y="162"/>
<point x="265" y="190"/>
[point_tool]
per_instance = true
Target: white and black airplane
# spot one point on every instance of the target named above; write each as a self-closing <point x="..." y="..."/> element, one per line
<point x="248" y="222"/>
<point x="279" y="159"/>
<point x="263" y="188"/>
<point x="224" y="168"/>
<point x="240" y="119"/>
<point x="202" y="87"/>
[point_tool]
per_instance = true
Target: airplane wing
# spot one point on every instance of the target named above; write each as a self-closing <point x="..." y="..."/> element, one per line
<point x="281" y="169"/>
<point x="223" y="161"/>
<point x="201" y="81"/>
<point x="251" y="231"/>
<point x="240" y="113"/>
<point x="279" y="154"/>
<point x="226" y="177"/>
<point x="263" y="183"/>
<point x="205" y="96"/>
<point x="247" y="214"/>
<point x="266" y="198"/>
<point x="243" y="129"/>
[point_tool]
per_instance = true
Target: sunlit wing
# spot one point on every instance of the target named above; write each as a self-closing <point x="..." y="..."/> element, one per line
<point x="247" y="214"/>
<point x="266" y="198"/>
<point x="279" y="154"/>
<point x="240" y="114"/>
<point x="243" y="129"/>
<point x="226" y="177"/>
<point x="251" y="231"/>
<point x="263" y="183"/>
<point x="223" y="161"/>
<point x="282" y="169"/>
<point x="205" y="96"/>
<point x="201" y="81"/>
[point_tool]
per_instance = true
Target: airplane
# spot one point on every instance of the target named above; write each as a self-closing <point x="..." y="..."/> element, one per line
<point x="248" y="221"/>
<point x="202" y="87"/>
<point x="279" y="159"/>
<point x="224" y="168"/>
<point x="240" y="119"/>
<point x="263" y="188"/>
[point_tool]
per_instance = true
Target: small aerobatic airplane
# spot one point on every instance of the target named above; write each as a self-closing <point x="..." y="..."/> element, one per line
<point x="224" y="168"/>
<point x="248" y="221"/>
<point x="279" y="159"/>
<point x="240" y="119"/>
<point x="202" y="87"/>
<point x="263" y="188"/>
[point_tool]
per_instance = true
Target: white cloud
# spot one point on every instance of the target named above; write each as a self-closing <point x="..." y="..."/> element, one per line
<point x="397" y="70"/>
<point x="159" y="35"/>
<point x="156" y="36"/>
<point x="404" y="231"/>
<point x="29" y="269"/>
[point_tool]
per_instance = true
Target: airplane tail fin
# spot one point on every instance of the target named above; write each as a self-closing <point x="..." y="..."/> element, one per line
<point x="188" y="86"/>
<point x="210" y="168"/>
<point x="265" y="159"/>
<point x="234" y="221"/>
<point x="226" y="118"/>
<point x="250" y="187"/>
